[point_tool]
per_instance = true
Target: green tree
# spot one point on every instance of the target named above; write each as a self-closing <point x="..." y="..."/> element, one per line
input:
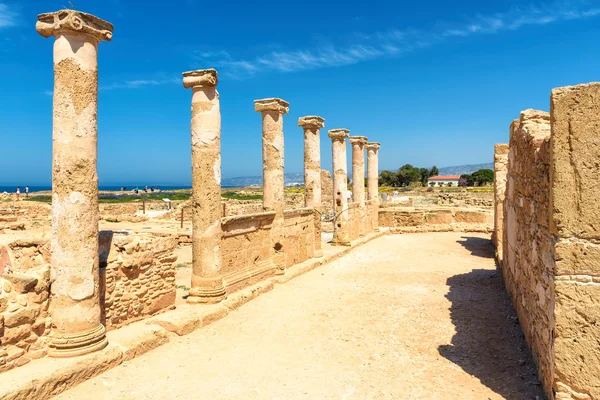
<point x="466" y="180"/>
<point x="434" y="171"/>
<point x="407" y="174"/>
<point x="387" y="178"/>
<point x="483" y="177"/>
<point x="424" y="172"/>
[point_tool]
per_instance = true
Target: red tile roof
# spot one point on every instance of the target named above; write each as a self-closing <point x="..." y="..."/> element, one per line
<point x="444" y="178"/>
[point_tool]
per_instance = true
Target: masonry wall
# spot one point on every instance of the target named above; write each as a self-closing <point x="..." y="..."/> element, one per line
<point x="575" y="224"/>
<point x="411" y="219"/>
<point x="551" y="239"/>
<point x="246" y="249"/>
<point x="137" y="279"/>
<point x="299" y="242"/>
<point x="500" y="173"/>
<point x="527" y="262"/>
<point x="137" y="276"/>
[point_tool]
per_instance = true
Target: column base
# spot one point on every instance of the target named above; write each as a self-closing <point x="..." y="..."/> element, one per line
<point x="63" y="345"/>
<point x="206" y="291"/>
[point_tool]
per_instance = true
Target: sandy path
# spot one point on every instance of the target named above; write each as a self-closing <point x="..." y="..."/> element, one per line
<point x="421" y="316"/>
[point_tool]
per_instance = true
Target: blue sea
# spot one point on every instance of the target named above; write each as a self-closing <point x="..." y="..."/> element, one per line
<point x="33" y="189"/>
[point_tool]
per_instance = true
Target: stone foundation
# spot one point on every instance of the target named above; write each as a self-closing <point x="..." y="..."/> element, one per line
<point x="299" y="235"/>
<point x="434" y="219"/>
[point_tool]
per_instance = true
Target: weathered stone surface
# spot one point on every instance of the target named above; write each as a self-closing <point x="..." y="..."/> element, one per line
<point x="21" y="283"/>
<point x="340" y="186"/>
<point x="137" y="339"/>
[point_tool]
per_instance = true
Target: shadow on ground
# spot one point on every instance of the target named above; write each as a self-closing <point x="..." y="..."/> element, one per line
<point x="488" y="343"/>
<point x="479" y="247"/>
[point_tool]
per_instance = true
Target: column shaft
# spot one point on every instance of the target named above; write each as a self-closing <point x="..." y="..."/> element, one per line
<point x="373" y="181"/>
<point x="272" y="111"/>
<point x="75" y="303"/>
<point x="358" y="178"/>
<point x="207" y="279"/>
<point x="312" y="172"/>
<point x="340" y="186"/>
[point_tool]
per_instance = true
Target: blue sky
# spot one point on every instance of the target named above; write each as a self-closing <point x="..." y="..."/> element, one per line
<point x="435" y="82"/>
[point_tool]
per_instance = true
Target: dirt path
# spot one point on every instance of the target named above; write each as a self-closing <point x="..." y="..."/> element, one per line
<point x="421" y="316"/>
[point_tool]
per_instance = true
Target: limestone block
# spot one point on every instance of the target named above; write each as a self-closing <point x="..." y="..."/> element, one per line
<point x="578" y="336"/>
<point x="23" y="316"/>
<point x="575" y="151"/>
<point x="21" y="283"/>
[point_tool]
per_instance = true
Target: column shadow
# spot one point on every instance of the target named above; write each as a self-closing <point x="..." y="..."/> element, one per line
<point x="478" y="247"/>
<point x="488" y="343"/>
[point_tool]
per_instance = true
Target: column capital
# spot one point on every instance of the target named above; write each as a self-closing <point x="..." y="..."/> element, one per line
<point x="272" y="104"/>
<point x="373" y="146"/>
<point x="311" y="121"/>
<point x="358" y="140"/>
<point x="200" y="78"/>
<point x="73" y="21"/>
<point x="339" y="133"/>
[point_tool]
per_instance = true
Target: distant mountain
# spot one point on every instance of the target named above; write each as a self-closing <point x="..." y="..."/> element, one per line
<point x="465" y="169"/>
<point x="244" y="181"/>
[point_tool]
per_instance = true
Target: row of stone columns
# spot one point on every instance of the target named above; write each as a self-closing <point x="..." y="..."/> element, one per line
<point x="75" y="307"/>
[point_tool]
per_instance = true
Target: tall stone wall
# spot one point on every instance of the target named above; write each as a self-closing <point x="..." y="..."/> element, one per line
<point x="416" y="219"/>
<point x="300" y="239"/>
<point x="575" y="224"/>
<point x="551" y="239"/>
<point x="527" y="262"/>
<point x="500" y="172"/>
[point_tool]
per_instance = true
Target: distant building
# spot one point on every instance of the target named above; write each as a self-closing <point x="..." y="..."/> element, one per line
<point x="444" y="180"/>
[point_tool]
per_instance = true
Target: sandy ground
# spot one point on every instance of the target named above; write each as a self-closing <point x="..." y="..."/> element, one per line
<point x="421" y="316"/>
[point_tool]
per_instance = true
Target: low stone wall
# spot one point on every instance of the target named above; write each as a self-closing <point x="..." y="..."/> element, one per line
<point x="551" y="239"/>
<point x="442" y="218"/>
<point x="299" y="244"/>
<point x="137" y="280"/>
<point x="246" y="249"/>
<point x="137" y="276"/>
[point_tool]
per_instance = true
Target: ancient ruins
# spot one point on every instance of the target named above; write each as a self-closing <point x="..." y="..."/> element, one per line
<point x="59" y="296"/>
<point x="76" y="275"/>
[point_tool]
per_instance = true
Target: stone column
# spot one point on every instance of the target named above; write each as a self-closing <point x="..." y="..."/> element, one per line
<point x="207" y="279"/>
<point x="312" y="171"/>
<point x="340" y="185"/>
<point x="75" y="303"/>
<point x="373" y="181"/>
<point x="500" y="174"/>
<point x="272" y="111"/>
<point x="358" y="178"/>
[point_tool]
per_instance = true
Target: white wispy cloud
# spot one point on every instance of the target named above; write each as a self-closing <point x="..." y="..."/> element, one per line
<point x="139" y="83"/>
<point x="132" y="84"/>
<point x="8" y="17"/>
<point x="369" y="46"/>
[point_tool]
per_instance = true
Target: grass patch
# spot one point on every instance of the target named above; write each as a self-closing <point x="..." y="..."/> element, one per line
<point x="236" y="196"/>
<point x="186" y="288"/>
<point x="124" y="198"/>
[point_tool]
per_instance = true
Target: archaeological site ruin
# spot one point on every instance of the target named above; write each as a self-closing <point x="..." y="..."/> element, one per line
<point x="86" y="287"/>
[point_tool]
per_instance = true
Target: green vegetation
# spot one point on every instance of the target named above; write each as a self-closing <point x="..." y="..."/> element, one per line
<point x="237" y="196"/>
<point x="481" y="177"/>
<point x="124" y="198"/>
<point x="407" y="175"/>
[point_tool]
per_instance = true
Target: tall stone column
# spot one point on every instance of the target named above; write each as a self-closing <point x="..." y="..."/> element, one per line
<point x="358" y="178"/>
<point x="207" y="279"/>
<point x="272" y="111"/>
<point x="312" y="171"/>
<point x="373" y="181"/>
<point x="75" y="303"/>
<point x="340" y="185"/>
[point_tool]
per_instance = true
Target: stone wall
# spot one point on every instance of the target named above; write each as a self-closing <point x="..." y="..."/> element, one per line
<point x="299" y="244"/>
<point x="411" y="219"/>
<point x="246" y="249"/>
<point x="137" y="280"/>
<point x="500" y="172"/>
<point x="551" y="239"/>
<point x="137" y="276"/>
<point x="527" y="262"/>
